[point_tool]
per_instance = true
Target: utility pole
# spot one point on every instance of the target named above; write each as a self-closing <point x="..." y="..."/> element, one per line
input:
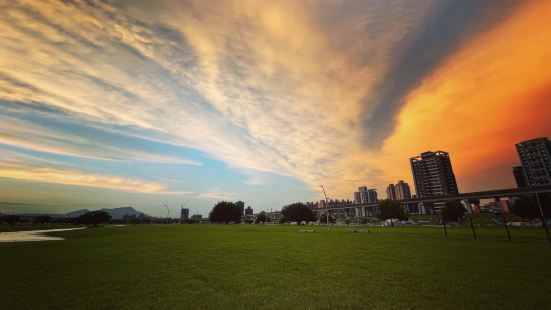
<point x="506" y="228"/>
<point x="543" y="224"/>
<point x="471" y="219"/>
<point x="326" y="207"/>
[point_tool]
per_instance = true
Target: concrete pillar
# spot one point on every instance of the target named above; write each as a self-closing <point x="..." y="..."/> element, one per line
<point x="467" y="205"/>
<point x="421" y="207"/>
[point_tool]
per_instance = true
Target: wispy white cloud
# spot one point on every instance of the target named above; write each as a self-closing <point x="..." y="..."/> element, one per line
<point x="217" y="194"/>
<point x="18" y="166"/>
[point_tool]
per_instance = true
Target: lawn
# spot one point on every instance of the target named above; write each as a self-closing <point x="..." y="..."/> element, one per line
<point x="249" y="266"/>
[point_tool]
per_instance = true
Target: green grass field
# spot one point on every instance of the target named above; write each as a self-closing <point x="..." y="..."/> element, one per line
<point x="253" y="266"/>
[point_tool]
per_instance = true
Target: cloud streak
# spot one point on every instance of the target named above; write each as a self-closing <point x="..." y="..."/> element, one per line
<point x="18" y="170"/>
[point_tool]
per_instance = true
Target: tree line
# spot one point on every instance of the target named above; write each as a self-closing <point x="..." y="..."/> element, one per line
<point x="93" y="218"/>
<point x="228" y="212"/>
<point x="452" y="211"/>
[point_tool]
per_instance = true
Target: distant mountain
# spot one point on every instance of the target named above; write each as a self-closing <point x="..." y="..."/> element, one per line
<point x="116" y="213"/>
<point x="119" y="213"/>
<point x="76" y="213"/>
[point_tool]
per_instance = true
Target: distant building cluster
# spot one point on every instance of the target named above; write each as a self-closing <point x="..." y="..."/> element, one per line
<point x="432" y="175"/>
<point x="197" y="217"/>
<point x="331" y="203"/>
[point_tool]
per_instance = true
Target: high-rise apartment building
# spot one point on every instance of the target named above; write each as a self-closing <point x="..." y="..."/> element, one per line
<point x="433" y="174"/>
<point x="371" y="196"/>
<point x="357" y="198"/>
<point x="365" y="195"/>
<point x="402" y="190"/>
<point x="398" y="191"/>
<point x="241" y="206"/>
<point x="184" y="214"/>
<point x="535" y="156"/>
<point x="520" y="176"/>
<point x="391" y="192"/>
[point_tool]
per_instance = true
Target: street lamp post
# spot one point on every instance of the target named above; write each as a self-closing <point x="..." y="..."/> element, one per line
<point x="326" y="207"/>
<point x="543" y="218"/>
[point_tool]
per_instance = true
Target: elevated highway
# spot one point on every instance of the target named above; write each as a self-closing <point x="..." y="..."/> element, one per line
<point x="417" y="204"/>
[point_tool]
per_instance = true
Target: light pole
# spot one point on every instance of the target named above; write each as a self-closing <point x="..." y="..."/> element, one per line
<point x="543" y="218"/>
<point x="326" y="207"/>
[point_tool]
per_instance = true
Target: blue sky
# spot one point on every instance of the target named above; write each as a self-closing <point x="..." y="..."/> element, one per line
<point x="182" y="174"/>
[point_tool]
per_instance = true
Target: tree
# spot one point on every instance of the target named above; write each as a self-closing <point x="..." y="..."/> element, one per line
<point x="390" y="209"/>
<point x="453" y="211"/>
<point x="261" y="218"/>
<point x="297" y="212"/>
<point x="323" y="219"/>
<point x="9" y="219"/>
<point x="42" y="219"/>
<point x="93" y="218"/>
<point x="225" y="212"/>
<point x="527" y="206"/>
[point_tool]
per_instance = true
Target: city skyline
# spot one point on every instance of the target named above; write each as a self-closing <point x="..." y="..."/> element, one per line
<point x="143" y="104"/>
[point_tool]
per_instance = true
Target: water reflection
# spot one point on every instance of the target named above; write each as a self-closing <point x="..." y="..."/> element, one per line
<point x="32" y="235"/>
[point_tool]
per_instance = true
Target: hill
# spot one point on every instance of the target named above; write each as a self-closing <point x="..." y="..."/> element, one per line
<point x="119" y="213"/>
<point x="76" y="213"/>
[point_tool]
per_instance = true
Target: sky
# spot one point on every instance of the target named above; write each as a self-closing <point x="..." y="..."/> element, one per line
<point x="154" y="103"/>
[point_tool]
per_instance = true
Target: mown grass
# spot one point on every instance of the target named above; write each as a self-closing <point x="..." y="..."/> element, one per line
<point x="249" y="266"/>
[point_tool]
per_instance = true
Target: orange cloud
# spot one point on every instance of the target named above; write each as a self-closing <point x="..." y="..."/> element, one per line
<point x="495" y="91"/>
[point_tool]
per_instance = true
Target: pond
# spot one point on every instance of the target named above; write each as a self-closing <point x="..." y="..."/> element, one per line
<point x="32" y="235"/>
